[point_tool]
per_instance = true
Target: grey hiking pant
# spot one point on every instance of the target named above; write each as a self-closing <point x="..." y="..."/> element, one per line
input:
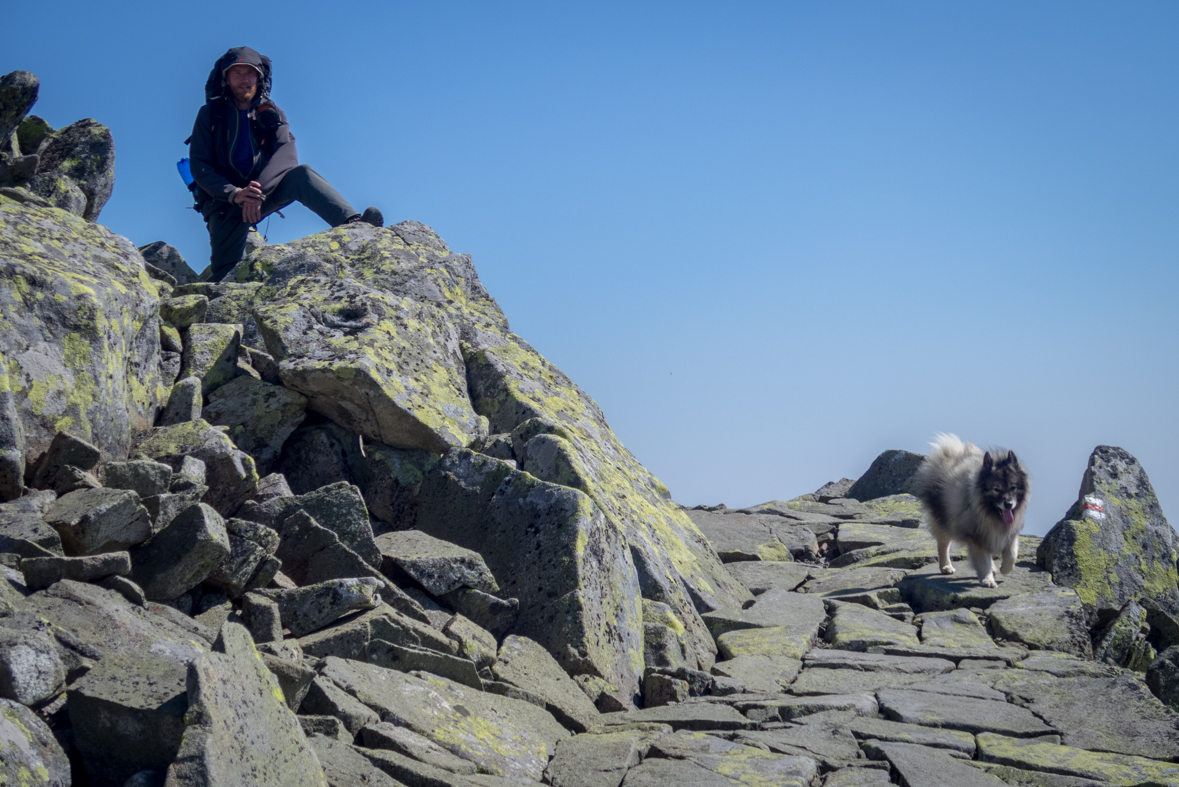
<point x="227" y="231"/>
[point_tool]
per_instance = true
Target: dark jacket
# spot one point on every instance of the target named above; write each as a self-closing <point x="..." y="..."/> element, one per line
<point x="217" y="129"/>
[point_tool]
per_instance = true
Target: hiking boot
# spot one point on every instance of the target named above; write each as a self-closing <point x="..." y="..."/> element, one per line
<point x="371" y="216"/>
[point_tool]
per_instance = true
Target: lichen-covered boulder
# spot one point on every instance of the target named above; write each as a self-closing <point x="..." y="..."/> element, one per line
<point x="891" y="473"/>
<point x="1114" y="545"/>
<point x="229" y="472"/>
<point x="18" y="93"/>
<point x="239" y="729"/>
<point x="392" y="336"/>
<point x="12" y="441"/>
<point x="29" y="753"/>
<point x="260" y="416"/>
<point x="168" y="259"/>
<point x="181" y="555"/>
<point x="77" y="168"/>
<point x="78" y="330"/>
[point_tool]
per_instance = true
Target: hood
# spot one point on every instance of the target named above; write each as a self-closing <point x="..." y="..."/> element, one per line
<point x="215" y="86"/>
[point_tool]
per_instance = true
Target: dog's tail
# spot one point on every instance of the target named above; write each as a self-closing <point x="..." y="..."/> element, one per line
<point x="948" y="446"/>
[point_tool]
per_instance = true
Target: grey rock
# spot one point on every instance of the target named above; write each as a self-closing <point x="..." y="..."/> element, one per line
<point x="168" y="259"/>
<point x="125" y="588"/>
<point x="725" y="761"/>
<point x="310" y="608"/>
<point x="325" y="698"/>
<point x="1114" y="545"/>
<point x="350" y="638"/>
<point x="891" y="473"/>
<point x="1124" y="641"/>
<point x="101" y="623"/>
<point x="181" y="555"/>
<point x="266" y="366"/>
<point x="1113" y="714"/>
<point x="519" y="745"/>
<point x="165" y="508"/>
<point x="920" y="766"/>
<point x="810" y="708"/>
<point x="853" y="581"/>
<point x="250" y="545"/>
<point x="271" y="487"/>
<point x="260" y="416"/>
<point x="91" y="521"/>
<point x="928" y="590"/>
<point x="857" y="776"/>
<point x="1049" y="620"/>
<point x="230" y="473"/>
<point x="65" y="450"/>
<point x="22" y="531"/>
<point x="12" y="444"/>
<point x="319" y="455"/>
<point x="18" y="93"/>
<point x="41" y="572"/>
<point x="767" y="674"/>
<point x="959" y="713"/>
<point x="738" y="536"/>
<point x="774" y="608"/>
<point x="146" y="779"/>
<point x="602" y="757"/>
<point x="239" y="730"/>
<point x="262" y="618"/>
<point x="525" y="664"/>
<point x="76" y="171"/>
<point x="143" y="477"/>
<point x="210" y="353"/>
<point x="339" y="507"/>
<point x="391" y="737"/>
<point x="128" y="715"/>
<point x="497" y="615"/>
<point x="169" y="367"/>
<point x="294" y="678"/>
<point x="184" y="403"/>
<point x="327" y="726"/>
<point x="184" y="311"/>
<point x="833" y="490"/>
<point x="899" y="732"/>
<point x="758" y="576"/>
<point x="31" y="671"/>
<point x="344" y="765"/>
<point x="685" y="716"/>
<point x="664" y="643"/>
<point x="659" y="689"/>
<point x="474" y="642"/>
<point x="830" y="745"/>
<point x="30" y="746"/>
<point x="61" y="345"/>
<point x="405" y="658"/>
<point x="437" y="565"/>
<point x="311" y="554"/>
<point x="1163" y="677"/>
<point x="1087" y="768"/>
<point x="856" y="627"/>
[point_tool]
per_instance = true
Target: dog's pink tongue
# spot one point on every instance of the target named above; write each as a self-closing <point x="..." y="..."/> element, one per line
<point x="1008" y="516"/>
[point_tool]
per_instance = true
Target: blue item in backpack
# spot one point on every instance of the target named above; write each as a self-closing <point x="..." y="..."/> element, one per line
<point x="185" y="172"/>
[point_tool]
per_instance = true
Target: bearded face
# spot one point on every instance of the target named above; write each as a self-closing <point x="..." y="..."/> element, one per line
<point x="243" y="83"/>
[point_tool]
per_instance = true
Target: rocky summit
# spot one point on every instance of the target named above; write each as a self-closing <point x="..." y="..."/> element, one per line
<point x="330" y="522"/>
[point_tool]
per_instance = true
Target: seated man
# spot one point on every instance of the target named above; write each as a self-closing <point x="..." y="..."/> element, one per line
<point x="244" y="162"/>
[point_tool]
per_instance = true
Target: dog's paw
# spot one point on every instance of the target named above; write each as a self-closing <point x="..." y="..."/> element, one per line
<point x="988" y="582"/>
<point x="947" y="569"/>
<point x="1006" y="568"/>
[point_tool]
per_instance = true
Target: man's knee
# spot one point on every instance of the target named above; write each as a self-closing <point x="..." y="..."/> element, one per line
<point x="300" y="174"/>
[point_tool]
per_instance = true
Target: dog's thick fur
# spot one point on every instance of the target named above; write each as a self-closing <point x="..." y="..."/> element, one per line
<point x="968" y="494"/>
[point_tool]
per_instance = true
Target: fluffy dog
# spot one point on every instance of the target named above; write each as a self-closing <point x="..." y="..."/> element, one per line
<point x="975" y="498"/>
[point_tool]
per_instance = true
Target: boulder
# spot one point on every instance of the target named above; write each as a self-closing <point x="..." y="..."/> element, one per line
<point x="18" y="93"/>
<point x="1049" y="620"/>
<point x="899" y="732"/>
<point x="127" y="715"/>
<point x="183" y="311"/>
<point x="339" y="507"/>
<point x="307" y="609"/>
<point x="12" y="443"/>
<point x="921" y="766"/>
<point x="929" y="590"/>
<point x="210" y="353"/>
<point x="92" y="521"/>
<point x="65" y="451"/>
<point x="438" y="566"/>
<point x="1124" y="642"/>
<point x="758" y="576"/>
<point x="891" y="473"/>
<point x="526" y="665"/>
<point x="601" y="757"/>
<point x="345" y="765"/>
<point x="958" y="628"/>
<point x="311" y="553"/>
<point x="684" y="716"/>
<point x="760" y="674"/>
<point x="76" y="171"/>
<point x="260" y="416"/>
<point x="475" y="643"/>
<point x="184" y="402"/>
<point x="41" y="572"/>
<point x="700" y="758"/>
<point x="251" y="548"/>
<point x="168" y="259"/>
<point x="959" y="713"/>
<point x="1162" y="676"/>
<point x="31" y="671"/>
<point x="1077" y="763"/>
<point x="23" y="532"/>
<point x="239" y="730"/>
<point x="497" y="615"/>
<point x="390" y="737"/>
<point x="230" y="473"/>
<point x="80" y="338"/>
<point x="327" y="699"/>
<point x="143" y="477"/>
<point x="1114" y="545"/>
<point x="181" y="555"/>
<point x="29" y="746"/>
<point x="350" y="638"/>
<point x="504" y="736"/>
<point x="664" y="642"/>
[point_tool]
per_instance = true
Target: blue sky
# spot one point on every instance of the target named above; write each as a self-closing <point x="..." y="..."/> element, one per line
<point x="770" y="239"/>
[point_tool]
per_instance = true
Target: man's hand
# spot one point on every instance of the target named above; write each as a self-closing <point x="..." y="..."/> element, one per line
<point x="250" y="198"/>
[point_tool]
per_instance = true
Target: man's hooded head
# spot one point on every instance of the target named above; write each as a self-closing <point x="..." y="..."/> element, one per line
<point x="245" y="61"/>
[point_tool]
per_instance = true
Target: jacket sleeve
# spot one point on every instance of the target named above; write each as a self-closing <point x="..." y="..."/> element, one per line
<point x="200" y="155"/>
<point x="282" y="160"/>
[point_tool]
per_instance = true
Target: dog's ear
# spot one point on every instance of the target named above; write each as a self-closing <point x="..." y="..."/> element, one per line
<point x="988" y="463"/>
<point x="1012" y="458"/>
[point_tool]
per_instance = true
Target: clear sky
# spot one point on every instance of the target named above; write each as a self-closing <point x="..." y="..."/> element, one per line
<point x="770" y="239"/>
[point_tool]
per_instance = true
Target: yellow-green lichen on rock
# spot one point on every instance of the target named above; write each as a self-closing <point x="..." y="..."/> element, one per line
<point x="81" y="336"/>
<point x="392" y="336"/>
<point x="1114" y="545"/>
<point x="29" y="753"/>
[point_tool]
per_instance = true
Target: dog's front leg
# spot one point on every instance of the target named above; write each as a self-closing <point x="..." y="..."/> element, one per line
<point x="943" y="554"/>
<point x="1010" y="555"/>
<point x="984" y="566"/>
